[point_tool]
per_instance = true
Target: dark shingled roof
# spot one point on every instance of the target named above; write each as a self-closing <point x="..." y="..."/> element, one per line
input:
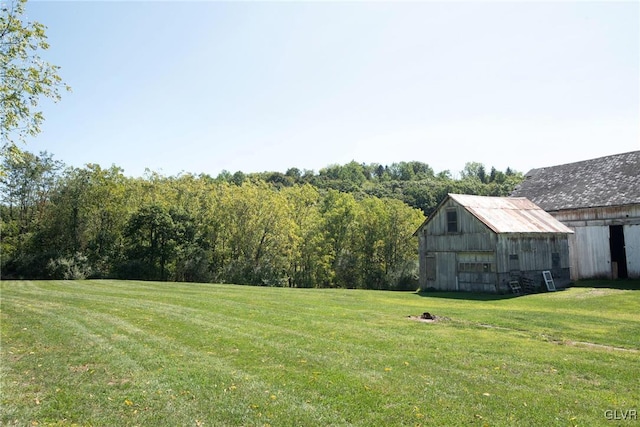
<point x="605" y="181"/>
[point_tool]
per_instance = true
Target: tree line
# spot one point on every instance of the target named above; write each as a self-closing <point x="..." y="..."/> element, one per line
<point x="414" y="183"/>
<point x="346" y="226"/>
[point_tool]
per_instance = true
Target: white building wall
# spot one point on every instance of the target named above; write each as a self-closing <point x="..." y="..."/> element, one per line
<point x="589" y="248"/>
<point x="590" y="252"/>
<point x="632" y="249"/>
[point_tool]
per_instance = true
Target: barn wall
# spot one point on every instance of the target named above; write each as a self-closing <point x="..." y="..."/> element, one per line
<point x="473" y="238"/>
<point x="590" y="252"/>
<point x="589" y="247"/>
<point x="471" y="271"/>
<point x="477" y="259"/>
<point x="445" y="279"/>
<point x="447" y="276"/>
<point x="614" y="215"/>
<point x="573" y="259"/>
<point x="467" y="223"/>
<point x="422" y="260"/>
<point x="535" y="254"/>
<point x="472" y="235"/>
<point x="477" y="271"/>
<point x="632" y="246"/>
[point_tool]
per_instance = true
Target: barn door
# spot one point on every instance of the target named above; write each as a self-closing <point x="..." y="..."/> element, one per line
<point x="618" y="253"/>
<point x="447" y="271"/>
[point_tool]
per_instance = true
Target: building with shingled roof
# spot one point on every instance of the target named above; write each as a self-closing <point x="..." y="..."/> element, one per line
<point x="599" y="200"/>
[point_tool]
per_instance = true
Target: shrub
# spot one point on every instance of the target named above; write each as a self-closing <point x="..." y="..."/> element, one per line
<point x="76" y="267"/>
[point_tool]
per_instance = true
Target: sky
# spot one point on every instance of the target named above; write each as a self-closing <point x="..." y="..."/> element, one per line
<point x="205" y="86"/>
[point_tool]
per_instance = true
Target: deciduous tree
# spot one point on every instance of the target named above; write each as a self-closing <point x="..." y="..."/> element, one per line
<point x="25" y="190"/>
<point x="24" y="76"/>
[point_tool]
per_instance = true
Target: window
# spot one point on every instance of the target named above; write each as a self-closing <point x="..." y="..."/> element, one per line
<point x="555" y="260"/>
<point x="452" y="221"/>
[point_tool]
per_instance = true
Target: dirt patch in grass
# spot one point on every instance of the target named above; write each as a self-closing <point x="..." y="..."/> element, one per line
<point x="427" y="317"/>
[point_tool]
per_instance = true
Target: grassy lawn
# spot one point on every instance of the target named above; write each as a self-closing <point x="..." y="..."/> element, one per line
<point x="107" y="353"/>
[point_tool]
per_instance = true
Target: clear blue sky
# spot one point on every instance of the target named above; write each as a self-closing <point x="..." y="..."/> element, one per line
<point x="263" y="86"/>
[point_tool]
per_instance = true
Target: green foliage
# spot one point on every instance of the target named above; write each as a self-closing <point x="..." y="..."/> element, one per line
<point x="255" y="234"/>
<point x="297" y="229"/>
<point x="70" y="268"/>
<point x="87" y="215"/>
<point x="150" y="240"/>
<point x="24" y="77"/>
<point x="26" y="190"/>
<point x="310" y="257"/>
<point x="414" y="183"/>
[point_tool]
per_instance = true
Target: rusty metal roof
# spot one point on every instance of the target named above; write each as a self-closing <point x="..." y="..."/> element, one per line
<point x="510" y="214"/>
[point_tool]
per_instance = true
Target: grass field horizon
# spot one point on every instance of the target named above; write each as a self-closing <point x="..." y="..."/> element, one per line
<point x="109" y="352"/>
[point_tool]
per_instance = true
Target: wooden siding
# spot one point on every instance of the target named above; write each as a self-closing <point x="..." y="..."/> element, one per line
<point x="475" y="258"/>
<point x="461" y="242"/>
<point x="632" y="246"/>
<point x="589" y="246"/>
<point x="472" y="235"/>
<point x="467" y="223"/>
<point x="591" y="252"/>
<point x="535" y="253"/>
<point x="529" y="255"/>
<point x="613" y="215"/>
<point x="445" y="274"/>
<point x="484" y="279"/>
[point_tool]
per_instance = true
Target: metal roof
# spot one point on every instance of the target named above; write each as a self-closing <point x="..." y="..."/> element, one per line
<point x="605" y="181"/>
<point x="510" y="214"/>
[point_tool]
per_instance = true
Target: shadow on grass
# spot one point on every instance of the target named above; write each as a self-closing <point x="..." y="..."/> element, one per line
<point x="624" y="284"/>
<point x="472" y="296"/>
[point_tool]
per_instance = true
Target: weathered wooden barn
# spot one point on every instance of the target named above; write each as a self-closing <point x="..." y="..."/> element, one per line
<point x="599" y="199"/>
<point x="477" y="243"/>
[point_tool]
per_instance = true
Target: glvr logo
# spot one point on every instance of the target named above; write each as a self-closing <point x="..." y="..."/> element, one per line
<point x="621" y="415"/>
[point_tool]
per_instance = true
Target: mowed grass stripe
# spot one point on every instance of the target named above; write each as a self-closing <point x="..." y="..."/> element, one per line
<point x="535" y="309"/>
<point x="139" y="353"/>
<point x="134" y="353"/>
<point x="174" y="315"/>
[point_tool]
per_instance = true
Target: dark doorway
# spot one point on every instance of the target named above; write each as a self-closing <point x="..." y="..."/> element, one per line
<point x="618" y="254"/>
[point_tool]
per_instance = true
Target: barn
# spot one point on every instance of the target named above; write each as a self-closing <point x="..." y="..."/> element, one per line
<point x="482" y="244"/>
<point x="599" y="199"/>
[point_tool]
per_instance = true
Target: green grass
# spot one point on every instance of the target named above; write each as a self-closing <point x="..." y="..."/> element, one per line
<point x="106" y="353"/>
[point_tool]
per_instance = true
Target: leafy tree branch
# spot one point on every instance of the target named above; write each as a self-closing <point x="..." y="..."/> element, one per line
<point x="25" y="77"/>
